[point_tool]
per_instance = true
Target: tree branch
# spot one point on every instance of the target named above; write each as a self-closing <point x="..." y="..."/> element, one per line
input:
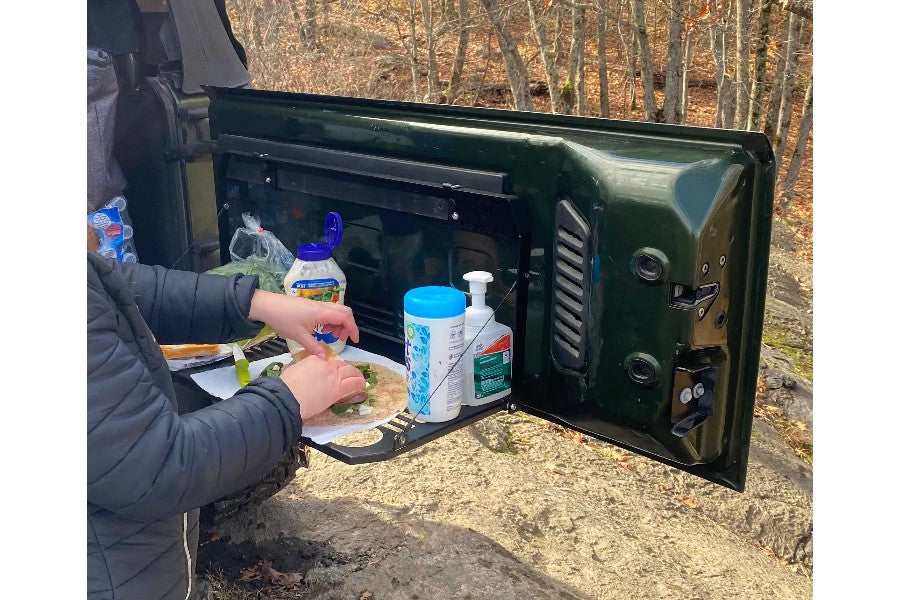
<point x="803" y="8"/>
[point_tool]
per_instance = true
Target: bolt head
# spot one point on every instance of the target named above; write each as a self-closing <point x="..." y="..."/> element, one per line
<point x="701" y="311"/>
<point x="705" y="268"/>
<point x="455" y="216"/>
<point x="722" y="261"/>
<point x="721" y="318"/>
<point x="698" y="390"/>
<point x="268" y="179"/>
<point x="686" y="395"/>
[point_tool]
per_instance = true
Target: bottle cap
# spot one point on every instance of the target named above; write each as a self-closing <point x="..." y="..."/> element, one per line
<point x="434" y="302"/>
<point x="334" y="232"/>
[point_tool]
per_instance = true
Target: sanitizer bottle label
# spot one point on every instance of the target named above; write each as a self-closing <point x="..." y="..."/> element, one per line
<point x="493" y="368"/>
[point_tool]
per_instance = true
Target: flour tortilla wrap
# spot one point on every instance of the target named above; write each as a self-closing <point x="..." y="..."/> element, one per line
<point x="386" y="398"/>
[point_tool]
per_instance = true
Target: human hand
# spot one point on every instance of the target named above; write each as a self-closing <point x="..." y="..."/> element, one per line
<point x="317" y="384"/>
<point x="295" y="318"/>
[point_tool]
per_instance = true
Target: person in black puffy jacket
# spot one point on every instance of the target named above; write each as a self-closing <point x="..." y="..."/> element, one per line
<point x="149" y="468"/>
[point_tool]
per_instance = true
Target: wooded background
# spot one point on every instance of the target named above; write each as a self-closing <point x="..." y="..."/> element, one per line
<point x="742" y="64"/>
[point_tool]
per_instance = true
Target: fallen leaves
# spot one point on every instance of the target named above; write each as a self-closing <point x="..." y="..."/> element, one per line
<point x="794" y="433"/>
<point x="264" y="572"/>
<point x="250" y="573"/>
<point x="688" y="501"/>
<point x="279" y="579"/>
<point x="621" y="457"/>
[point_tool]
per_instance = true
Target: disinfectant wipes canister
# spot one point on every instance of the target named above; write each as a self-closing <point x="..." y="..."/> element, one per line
<point x="434" y="332"/>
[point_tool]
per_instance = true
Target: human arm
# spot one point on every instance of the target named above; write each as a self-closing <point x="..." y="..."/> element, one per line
<point x="186" y="307"/>
<point x="144" y="460"/>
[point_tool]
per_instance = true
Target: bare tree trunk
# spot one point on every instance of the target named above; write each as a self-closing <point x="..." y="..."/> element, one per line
<point x="774" y="107"/>
<point x="717" y="31"/>
<point x="298" y="20"/>
<point x="311" y="30"/>
<point x="758" y="85"/>
<point x="516" y="71"/>
<point x="646" y="65"/>
<point x="787" y="91"/>
<point x="688" y="56"/>
<point x="434" y="85"/>
<point x="557" y="30"/>
<point x="548" y="58"/>
<point x="602" y="70"/>
<point x="633" y="69"/>
<point x="326" y="15"/>
<point x="742" y="62"/>
<point x="674" y="65"/>
<point x="730" y="98"/>
<point x="790" y="180"/>
<point x="462" y="45"/>
<point x="413" y="50"/>
<point x="629" y="62"/>
<point x="576" y="58"/>
<point x="488" y="53"/>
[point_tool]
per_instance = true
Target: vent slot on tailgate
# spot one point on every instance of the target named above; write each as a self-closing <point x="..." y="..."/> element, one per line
<point x="571" y="272"/>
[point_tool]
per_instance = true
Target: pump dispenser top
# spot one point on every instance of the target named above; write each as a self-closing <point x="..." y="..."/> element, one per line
<point x="478" y="314"/>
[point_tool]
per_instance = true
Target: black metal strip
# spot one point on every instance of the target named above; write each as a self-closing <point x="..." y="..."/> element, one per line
<point x="485" y="181"/>
<point x="418" y="434"/>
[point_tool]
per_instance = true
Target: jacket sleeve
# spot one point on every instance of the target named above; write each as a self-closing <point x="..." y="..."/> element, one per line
<point x="186" y="307"/>
<point x="146" y="461"/>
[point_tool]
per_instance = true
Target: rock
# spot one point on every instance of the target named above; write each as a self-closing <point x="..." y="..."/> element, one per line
<point x="788" y="391"/>
<point x="773" y="382"/>
<point x="330" y="574"/>
<point x="492" y="434"/>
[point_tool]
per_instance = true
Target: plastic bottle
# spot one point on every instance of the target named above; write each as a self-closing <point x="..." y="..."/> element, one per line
<point x="434" y="323"/>
<point x="487" y="365"/>
<point x="317" y="276"/>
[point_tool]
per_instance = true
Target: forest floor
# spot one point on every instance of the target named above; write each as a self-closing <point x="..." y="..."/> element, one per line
<point x="514" y="507"/>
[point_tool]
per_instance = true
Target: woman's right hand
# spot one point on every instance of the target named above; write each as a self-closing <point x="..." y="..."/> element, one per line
<point x="317" y="383"/>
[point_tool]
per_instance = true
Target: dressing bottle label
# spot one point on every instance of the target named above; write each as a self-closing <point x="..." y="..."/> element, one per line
<point x="322" y="290"/>
<point x="493" y="368"/>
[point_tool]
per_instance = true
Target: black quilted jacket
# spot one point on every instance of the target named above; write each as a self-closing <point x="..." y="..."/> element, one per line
<point x="148" y="467"/>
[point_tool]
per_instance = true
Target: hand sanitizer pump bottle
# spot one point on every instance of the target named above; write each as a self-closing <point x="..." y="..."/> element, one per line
<point x="487" y="364"/>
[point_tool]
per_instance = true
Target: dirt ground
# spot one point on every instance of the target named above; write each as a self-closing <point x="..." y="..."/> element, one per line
<point x="514" y="507"/>
<point x="510" y="508"/>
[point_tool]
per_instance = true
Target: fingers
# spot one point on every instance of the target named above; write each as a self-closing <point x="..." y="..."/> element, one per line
<point x="350" y="386"/>
<point x="349" y="371"/>
<point x="309" y="342"/>
<point x="355" y="398"/>
<point x="338" y="319"/>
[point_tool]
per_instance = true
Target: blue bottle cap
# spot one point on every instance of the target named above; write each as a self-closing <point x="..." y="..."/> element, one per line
<point x="434" y="302"/>
<point x="334" y="232"/>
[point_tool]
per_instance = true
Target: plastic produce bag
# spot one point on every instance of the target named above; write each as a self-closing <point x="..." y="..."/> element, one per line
<point x="255" y="251"/>
<point x="255" y="242"/>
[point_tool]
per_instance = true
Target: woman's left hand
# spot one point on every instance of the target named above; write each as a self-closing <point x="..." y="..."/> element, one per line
<point x="295" y="318"/>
